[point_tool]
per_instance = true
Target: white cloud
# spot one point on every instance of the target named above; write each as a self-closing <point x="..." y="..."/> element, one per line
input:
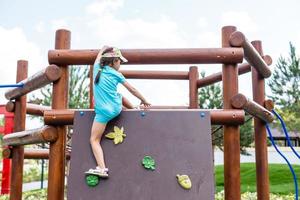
<point x="137" y="33"/>
<point x="209" y="40"/>
<point x="241" y="20"/>
<point x="40" y="27"/>
<point x="202" y="22"/>
<point x="15" y="46"/>
<point x="103" y="7"/>
<point x="297" y="43"/>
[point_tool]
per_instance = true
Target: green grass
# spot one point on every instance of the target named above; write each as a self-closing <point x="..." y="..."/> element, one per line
<point x="281" y="179"/>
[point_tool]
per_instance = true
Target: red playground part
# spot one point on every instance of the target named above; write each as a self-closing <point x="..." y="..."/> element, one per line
<point x="6" y="166"/>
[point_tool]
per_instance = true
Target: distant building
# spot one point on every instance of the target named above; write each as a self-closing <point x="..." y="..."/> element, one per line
<point x="279" y="135"/>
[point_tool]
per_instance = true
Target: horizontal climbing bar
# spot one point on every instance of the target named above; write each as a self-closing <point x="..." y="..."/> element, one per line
<point x="218" y="116"/>
<point x="32" y="154"/>
<point x="240" y="101"/>
<point x="59" y="117"/>
<point x="31" y="109"/>
<point x="38" y="80"/>
<point x="217" y="77"/>
<point x="34" y="109"/>
<point x="178" y="75"/>
<point x="34" y="136"/>
<point x="238" y="39"/>
<point x="152" y="56"/>
<point x="227" y="117"/>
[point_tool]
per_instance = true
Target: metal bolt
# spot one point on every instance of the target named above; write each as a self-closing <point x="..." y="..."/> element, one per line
<point x="202" y="114"/>
<point x="143" y="114"/>
<point x="81" y="113"/>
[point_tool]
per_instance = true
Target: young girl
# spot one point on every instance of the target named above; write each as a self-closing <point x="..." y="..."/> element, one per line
<point x="108" y="102"/>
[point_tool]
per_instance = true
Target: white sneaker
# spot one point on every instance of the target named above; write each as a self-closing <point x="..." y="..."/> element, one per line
<point x="103" y="173"/>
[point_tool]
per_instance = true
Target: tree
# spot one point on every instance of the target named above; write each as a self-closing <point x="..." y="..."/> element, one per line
<point x="285" y="87"/>
<point x="210" y="97"/>
<point x="78" y="89"/>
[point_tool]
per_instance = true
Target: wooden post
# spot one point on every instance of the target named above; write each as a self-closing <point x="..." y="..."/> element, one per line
<point x="57" y="154"/>
<point x="19" y="125"/>
<point x="260" y="135"/>
<point x="193" y="77"/>
<point x="231" y="133"/>
<point x="175" y="75"/>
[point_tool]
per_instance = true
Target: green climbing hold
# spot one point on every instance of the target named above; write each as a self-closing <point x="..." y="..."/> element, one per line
<point x="184" y="181"/>
<point x="92" y="180"/>
<point x="148" y="163"/>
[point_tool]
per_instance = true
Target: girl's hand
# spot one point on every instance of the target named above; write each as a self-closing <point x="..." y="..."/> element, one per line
<point x="145" y="104"/>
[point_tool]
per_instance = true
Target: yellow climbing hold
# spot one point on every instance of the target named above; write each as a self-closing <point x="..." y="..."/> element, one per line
<point x="118" y="135"/>
<point x="184" y="181"/>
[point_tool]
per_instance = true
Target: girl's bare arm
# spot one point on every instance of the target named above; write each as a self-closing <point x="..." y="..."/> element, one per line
<point x="136" y="93"/>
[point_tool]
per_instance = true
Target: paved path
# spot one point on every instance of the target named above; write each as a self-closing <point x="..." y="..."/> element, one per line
<point x="273" y="156"/>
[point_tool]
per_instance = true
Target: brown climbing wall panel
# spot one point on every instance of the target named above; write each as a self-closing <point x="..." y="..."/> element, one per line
<point x="179" y="141"/>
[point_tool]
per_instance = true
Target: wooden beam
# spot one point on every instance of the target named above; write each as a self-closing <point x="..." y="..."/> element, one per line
<point x="217" y="77"/>
<point x="218" y="116"/>
<point x="238" y="39"/>
<point x="152" y="56"/>
<point x="33" y="154"/>
<point x="34" y="136"/>
<point x="240" y="101"/>
<point x="31" y="109"/>
<point x="38" y="80"/>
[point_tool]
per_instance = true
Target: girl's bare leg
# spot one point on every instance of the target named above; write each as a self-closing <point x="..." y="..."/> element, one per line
<point x="126" y="103"/>
<point x="96" y="135"/>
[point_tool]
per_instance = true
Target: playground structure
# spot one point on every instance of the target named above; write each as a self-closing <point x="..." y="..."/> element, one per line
<point x="235" y="47"/>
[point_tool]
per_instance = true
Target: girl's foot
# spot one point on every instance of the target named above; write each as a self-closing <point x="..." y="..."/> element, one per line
<point x="101" y="172"/>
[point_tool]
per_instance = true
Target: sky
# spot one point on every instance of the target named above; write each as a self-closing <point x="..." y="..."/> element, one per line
<point x="27" y="31"/>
